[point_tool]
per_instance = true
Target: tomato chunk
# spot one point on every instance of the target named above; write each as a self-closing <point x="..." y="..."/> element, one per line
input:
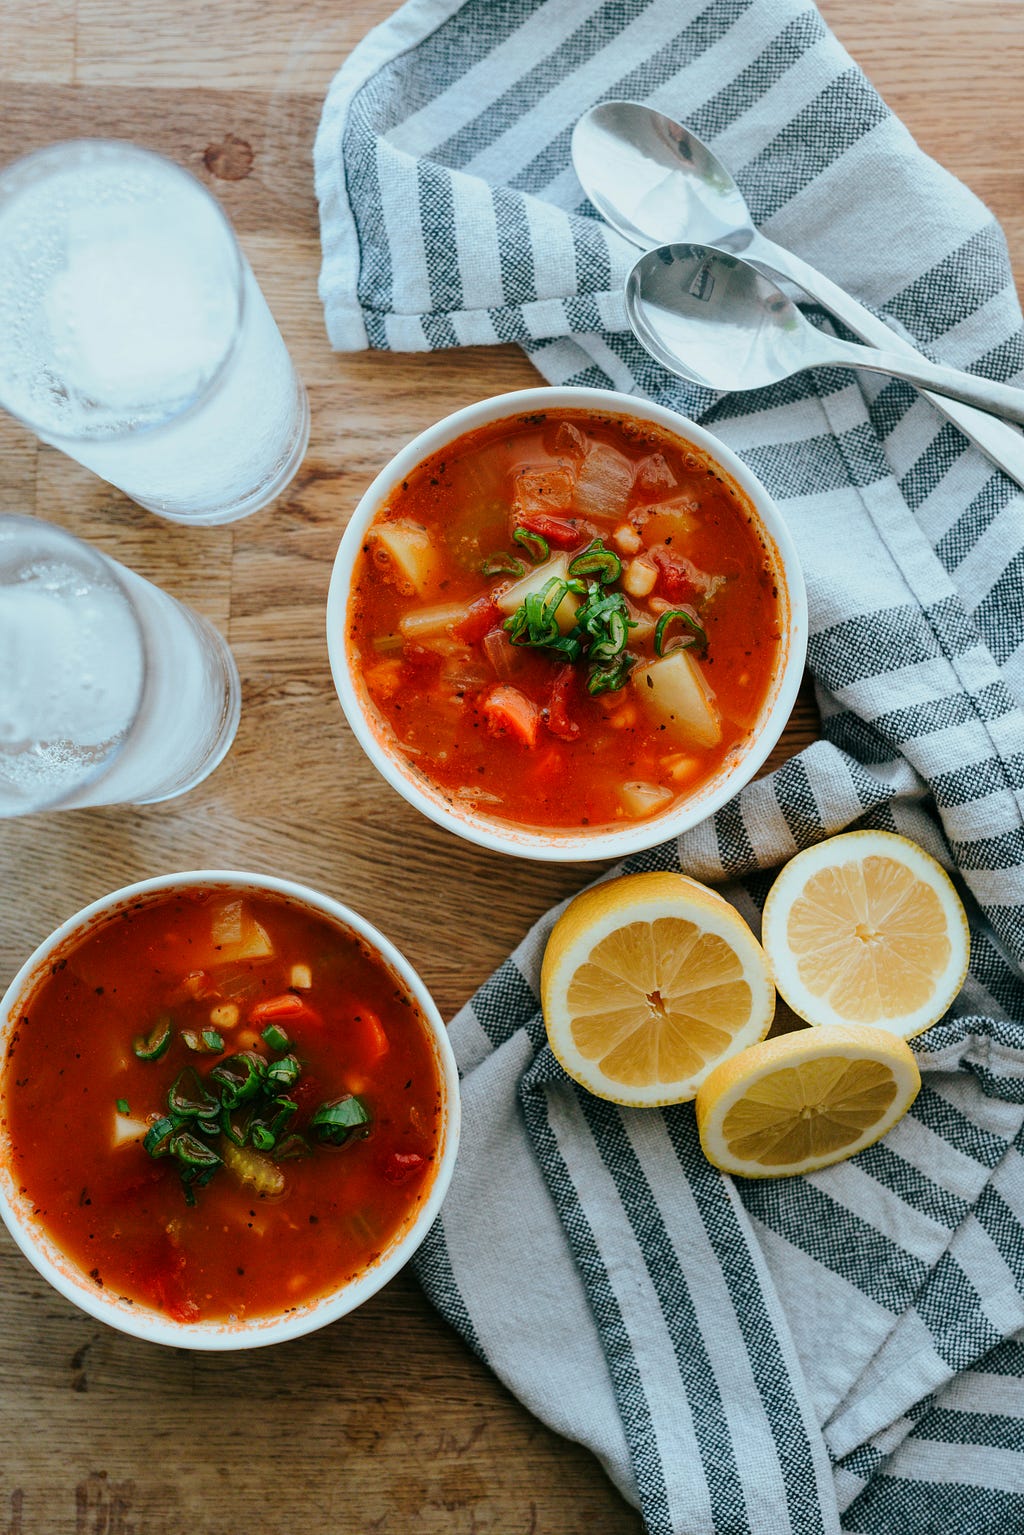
<point x="403" y="1164"/>
<point x="482" y="617"/>
<point x="510" y="712"/>
<point x="678" y="578"/>
<point x="563" y="693"/>
<point x="420" y="659"/>
<point x="560" y="532"/>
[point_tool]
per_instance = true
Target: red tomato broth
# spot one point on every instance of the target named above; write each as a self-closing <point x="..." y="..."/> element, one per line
<point x="567" y="769"/>
<point x="121" y="1216"/>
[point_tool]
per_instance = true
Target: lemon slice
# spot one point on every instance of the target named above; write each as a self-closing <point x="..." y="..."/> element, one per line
<point x="866" y="928"/>
<point x="804" y="1100"/>
<point x="648" y="981"/>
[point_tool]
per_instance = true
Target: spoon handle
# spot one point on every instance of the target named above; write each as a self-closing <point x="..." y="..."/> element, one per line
<point x="1002" y="443"/>
<point x="984" y="393"/>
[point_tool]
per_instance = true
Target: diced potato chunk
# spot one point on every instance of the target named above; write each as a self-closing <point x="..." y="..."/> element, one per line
<point x="643" y="799"/>
<point x="301" y="978"/>
<point x="674" y="688"/>
<point x="403" y="549"/>
<point x="535" y="581"/>
<point x="671" y="522"/>
<point x="421" y="622"/>
<point x="225" y="1015"/>
<point x="642" y="623"/>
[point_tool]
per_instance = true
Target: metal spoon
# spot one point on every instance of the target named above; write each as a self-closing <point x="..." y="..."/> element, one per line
<point x="655" y="182"/>
<point x="718" y="321"/>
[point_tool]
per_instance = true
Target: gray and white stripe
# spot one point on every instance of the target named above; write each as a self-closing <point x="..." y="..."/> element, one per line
<point x="844" y="1350"/>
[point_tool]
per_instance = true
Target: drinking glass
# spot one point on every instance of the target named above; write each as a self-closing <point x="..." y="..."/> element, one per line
<point x="133" y="334"/>
<point x="111" y="690"/>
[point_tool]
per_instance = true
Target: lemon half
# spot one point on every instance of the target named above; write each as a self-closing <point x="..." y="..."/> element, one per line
<point x="648" y="981"/>
<point x="805" y="1100"/>
<point x="866" y="928"/>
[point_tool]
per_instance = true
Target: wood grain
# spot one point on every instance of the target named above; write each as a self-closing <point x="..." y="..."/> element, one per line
<point x="383" y="1421"/>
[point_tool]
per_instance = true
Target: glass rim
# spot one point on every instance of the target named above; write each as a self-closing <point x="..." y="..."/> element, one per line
<point x="28" y="170"/>
<point x="69" y="798"/>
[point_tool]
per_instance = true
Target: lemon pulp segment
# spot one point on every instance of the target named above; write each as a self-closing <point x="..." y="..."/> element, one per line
<point x="648" y="980"/>
<point x="870" y="937"/>
<point x="866" y="928"/>
<point x="804" y="1100"/>
<point x="808" y="1111"/>
<point x="656" y="1000"/>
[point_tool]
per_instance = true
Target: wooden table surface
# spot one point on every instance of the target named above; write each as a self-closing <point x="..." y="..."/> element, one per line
<point x="383" y="1421"/>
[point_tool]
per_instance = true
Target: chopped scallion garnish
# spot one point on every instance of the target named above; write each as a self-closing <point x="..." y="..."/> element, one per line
<point x="596" y="560"/>
<point x="283" y="1073"/>
<point x="188" y="1098"/>
<point x="534" y="622"/>
<point x="208" y="1042"/>
<point x="158" y="1137"/>
<point x="605" y="618"/>
<point x="600" y="629"/>
<point x="335" y="1122"/>
<point x="276" y="1037"/>
<point x="536" y="547"/>
<point x="152" y="1046"/>
<point x="122" y="1106"/>
<point x="609" y="679"/>
<point x="191" y="1151"/>
<point x="502" y="564"/>
<point x="696" y="636"/>
<point x="242" y="1101"/>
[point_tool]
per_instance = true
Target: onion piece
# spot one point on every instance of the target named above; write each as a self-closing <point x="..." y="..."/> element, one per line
<point x="604" y="483"/>
<point x="502" y="654"/>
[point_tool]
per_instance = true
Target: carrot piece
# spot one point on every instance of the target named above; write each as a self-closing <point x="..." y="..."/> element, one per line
<point x="510" y="712"/>
<point x="372" y="1040"/>
<point x="285" y="1008"/>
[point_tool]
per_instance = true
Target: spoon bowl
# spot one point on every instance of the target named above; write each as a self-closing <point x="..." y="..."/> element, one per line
<point x="714" y="320"/>
<point x="655" y="181"/>
<point x="717" y="320"/>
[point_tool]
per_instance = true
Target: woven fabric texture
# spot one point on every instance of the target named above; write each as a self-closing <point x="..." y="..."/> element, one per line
<point x="843" y="1350"/>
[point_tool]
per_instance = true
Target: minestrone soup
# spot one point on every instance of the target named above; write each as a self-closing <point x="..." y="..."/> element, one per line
<point x="221" y="1105"/>
<point x="566" y="620"/>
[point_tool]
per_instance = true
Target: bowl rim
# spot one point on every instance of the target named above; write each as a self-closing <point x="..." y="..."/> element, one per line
<point x="137" y="1320"/>
<point x="547" y="845"/>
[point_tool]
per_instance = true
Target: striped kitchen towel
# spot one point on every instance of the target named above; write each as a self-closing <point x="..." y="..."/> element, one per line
<point x="844" y="1350"/>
